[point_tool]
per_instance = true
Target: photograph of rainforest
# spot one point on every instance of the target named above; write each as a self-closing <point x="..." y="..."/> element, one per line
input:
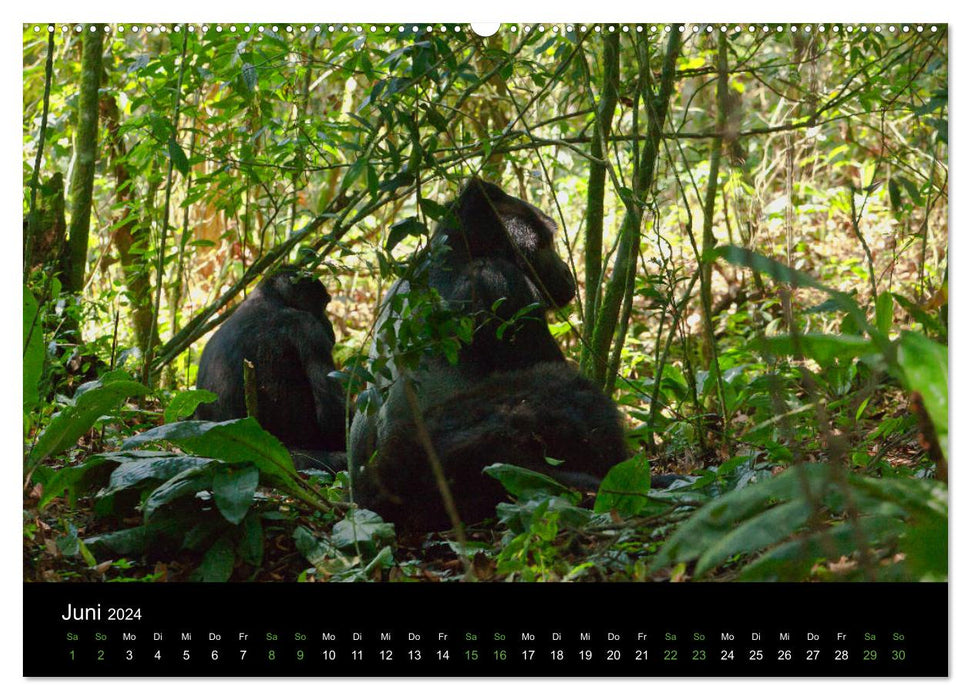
<point x="401" y="302"/>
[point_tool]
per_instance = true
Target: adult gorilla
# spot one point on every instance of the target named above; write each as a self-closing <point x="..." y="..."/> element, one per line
<point x="510" y="397"/>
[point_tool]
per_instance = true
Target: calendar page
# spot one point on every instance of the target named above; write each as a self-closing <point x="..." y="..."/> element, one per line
<point x="526" y="349"/>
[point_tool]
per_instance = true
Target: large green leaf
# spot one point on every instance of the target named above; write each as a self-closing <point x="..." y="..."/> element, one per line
<point x="625" y="488"/>
<point x="767" y="266"/>
<point x="362" y="529"/>
<point x="90" y="403"/>
<point x="250" y="545"/>
<point x="185" y="403"/>
<point x="822" y="348"/>
<point x="139" y="540"/>
<point x="218" y="563"/>
<point x="786" y="275"/>
<point x="235" y="441"/>
<point x="233" y="488"/>
<point x="924" y="365"/>
<point x="794" y="560"/>
<point x="930" y="323"/>
<point x="884" y="312"/>
<point x="318" y="551"/>
<point x="72" y="479"/>
<point x="184" y="483"/>
<point x="521" y="482"/>
<point x="162" y="467"/>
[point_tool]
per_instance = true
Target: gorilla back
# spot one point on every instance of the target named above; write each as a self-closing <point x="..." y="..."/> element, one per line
<point x="283" y="330"/>
<point x="524" y="417"/>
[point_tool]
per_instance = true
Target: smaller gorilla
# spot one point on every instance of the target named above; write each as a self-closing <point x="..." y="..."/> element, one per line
<point x="283" y="330"/>
<point x="520" y="417"/>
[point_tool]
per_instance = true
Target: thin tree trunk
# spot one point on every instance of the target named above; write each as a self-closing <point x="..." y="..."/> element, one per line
<point x="131" y="236"/>
<point x="708" y="233"/>
<point x="609" y="311"/>
<point x="86" y="151"/>
<point x="593" y="248"/>
<point x="41" y="138"/>
<point x="643" y="82"/>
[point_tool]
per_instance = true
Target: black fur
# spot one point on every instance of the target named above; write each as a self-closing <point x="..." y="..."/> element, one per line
<point x="283" y="330"/>
<point x="521" y="417"/>
<point x="495" y="225"/>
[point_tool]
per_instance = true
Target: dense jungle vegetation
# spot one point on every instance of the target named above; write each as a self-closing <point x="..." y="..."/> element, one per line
<point x="756" y="217"/>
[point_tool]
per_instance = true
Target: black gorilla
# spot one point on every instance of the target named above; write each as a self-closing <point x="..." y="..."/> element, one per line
<point x="521" y="417"/>
<point x="511" y="397"/>
<point x="283" y="330"/>
<point x="495" y="257"/>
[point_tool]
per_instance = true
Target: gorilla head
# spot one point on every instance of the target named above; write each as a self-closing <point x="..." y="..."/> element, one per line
<point x="488" y="223"/>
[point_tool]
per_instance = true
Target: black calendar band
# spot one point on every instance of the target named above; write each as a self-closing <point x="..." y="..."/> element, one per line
<point x="362" y="630"/>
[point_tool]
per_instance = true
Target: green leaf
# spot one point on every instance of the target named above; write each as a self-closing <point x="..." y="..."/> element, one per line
<point x="97" y="399"/>
<point x="33" y="350"/>
<point x="625" y="488"/>
<point x="372" y="181"/>
<point x="765" y="529"/>
<point x="138" y="540"/>
<point x="235" y="441"/>
<point x="133" y="472"/>
<point x="523" y="483"/>
<point x="127" y="542"/>
<point x="884" y="312"/>
<point x="767" y="266"/>
<point x="436" y="119"/>
<point x="924" y="365"/>
<point x="178" y="156"/>
<point x="433" y="210"/>
<point x="521" y="516"/>
<point x="362" y="529"/>
<point x="353" y="174"/>
<point x="893" y="190"/>
<point x="921" y="497"/>
<point x="185" y="403"/>
<point x="794" y="560"/>
<point x="188" y="482"/>
<point x="250" y="545"/>
<point x="217" y="565"/>
<point x="711" y="523"/>
<point x="318" y="551"/>
<point x="68" y="479"/>
<point x="233" y="489"/>
<point x="822" y="348"/>
<point x="250" y="77"/>
<point x="925" y="546"/>
<point x="402" y="229"/>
